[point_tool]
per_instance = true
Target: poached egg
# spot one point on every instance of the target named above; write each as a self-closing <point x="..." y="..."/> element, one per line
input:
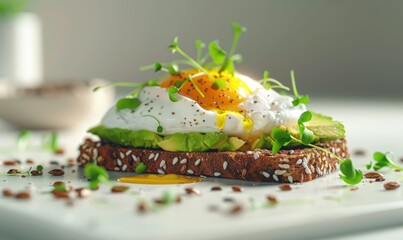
<point x="243" y="108"/>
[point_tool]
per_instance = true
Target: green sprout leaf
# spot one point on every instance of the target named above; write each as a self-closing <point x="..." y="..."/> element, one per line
<point x="349" y="174"/>
<point x="61" y="187"/>
<point x="141" y="167"/>
<point x="298" y="99"/>
<point x="281" y="138"/>
<point x="171" y="92"/>
<point x="160" y="129"/>
<point x="199" y="45"/>
<point x="96" y="174"/>
<point x="169" y="197"/>
<point x="179" y="84"/>
<point x="384" y="160"/>
<point x="307" y="135"/>
<point x="238" y="30"/>
<point x="23" y="140"/>
<point x="229" y="67"/>
<point x="174" y="47"/>
<point x="93" y="172"/>
<point x="267" y="82"/>
<point x="39" y="168"/>
<point x="173" y="69"/>
<point x="216" y="52"/>
<point x="219" y="84"/>
<point x="157" y="67"/>
<point x="128" y="103"/>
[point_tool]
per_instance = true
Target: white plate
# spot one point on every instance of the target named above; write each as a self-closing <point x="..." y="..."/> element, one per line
<point x="321" y="208"/>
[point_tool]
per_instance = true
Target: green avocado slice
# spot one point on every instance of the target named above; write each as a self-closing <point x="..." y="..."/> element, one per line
<point x="324" y="128"/>
<point x="141" y="138"/>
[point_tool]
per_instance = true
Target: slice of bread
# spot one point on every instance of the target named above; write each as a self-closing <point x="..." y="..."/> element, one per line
<point x="260" y="165"/>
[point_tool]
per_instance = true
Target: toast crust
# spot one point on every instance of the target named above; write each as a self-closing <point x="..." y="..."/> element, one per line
<point x="260" y="165"/>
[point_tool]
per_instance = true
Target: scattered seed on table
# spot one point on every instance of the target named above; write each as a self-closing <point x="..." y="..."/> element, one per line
<point x="119" y="189"/>
<point x="13" y="171"/>
<point x="59" y="151"/>
<point x="23" y="195"/>
<point x="36" y="173"/>
<point x="272" y="199"/>
<point x="191" y="190"/>
<point x="58" y="183"/>
<point x="216" y="188"/>
<point x="238" y="208"/>
<point x="61" y="194"/>
<point x="10" y="163"/>
<point x="360" y="152"/>
<point x="237" y="188"/>
<point x="285" y="187"/>
<point x="30" y="161"/>
<point x="142" y="207"/>
<point x="381" y="179"/>
<point x="228" y="199"/>
<point x="56" y="172"/>
<point x="391" y="185"/>
<point x="374" y="175"/>
<point x="8" y="192"/>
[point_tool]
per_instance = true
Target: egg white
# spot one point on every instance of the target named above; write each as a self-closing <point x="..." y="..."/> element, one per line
<point x="265" y="109"/>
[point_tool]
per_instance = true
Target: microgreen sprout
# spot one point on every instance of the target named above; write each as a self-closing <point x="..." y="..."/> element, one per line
<point x="23" y="140"/>
<point x="190" y="77"/>
<point x="96" y="175"/>
<point x="219" y="84"/>
<point x="349" y="174"/>
<point x="39" y="168"/>
<point x="383" y="160"/>
<point x="216" y="52"/>
<point x="160" y="129"/>
<point x="51" y="142"/>
<point x="175" y="48"/>
<point x="298" y="99"/>
<point x="171" y="93"/>
<point x="199" y="45"/>
<point x="267" y="82"/>
<point x="307" y="135"/>
<point x="141" y="167"/>
<point x="281" y="139"/>
<point x="173" y="69"/>
<point x="127" y="103"/>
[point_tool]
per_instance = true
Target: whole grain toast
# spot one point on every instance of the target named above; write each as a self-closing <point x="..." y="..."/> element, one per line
<point x="260" y="165"/>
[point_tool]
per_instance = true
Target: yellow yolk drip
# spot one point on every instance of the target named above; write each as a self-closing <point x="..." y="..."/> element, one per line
<point x="159" y="179"/>
<point x="223" y="101"/>
<point x="222" y="116"/>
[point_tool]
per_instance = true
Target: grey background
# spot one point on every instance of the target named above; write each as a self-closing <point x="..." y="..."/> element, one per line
<point x="337" y="48"/>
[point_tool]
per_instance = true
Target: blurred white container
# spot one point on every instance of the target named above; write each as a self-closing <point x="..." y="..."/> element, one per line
<point x="21" y="49"/>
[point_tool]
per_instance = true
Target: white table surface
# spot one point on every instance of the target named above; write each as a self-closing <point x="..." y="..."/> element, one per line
<point x="323" y="208"/>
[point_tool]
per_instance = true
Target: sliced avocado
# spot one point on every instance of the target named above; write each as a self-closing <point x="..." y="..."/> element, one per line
<point x="214" y="140"/>
<point x="195" y="142"/>
<point x="126" y="137"/>
<point x="324" y="128"/>
<point x="232" y="144"/>
<point x="174" y="143"/>
<point x="264" y="142"/>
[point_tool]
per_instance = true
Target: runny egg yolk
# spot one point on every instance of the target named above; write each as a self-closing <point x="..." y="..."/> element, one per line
<point x="221" y="100"/>
<point x="224" y="99"/>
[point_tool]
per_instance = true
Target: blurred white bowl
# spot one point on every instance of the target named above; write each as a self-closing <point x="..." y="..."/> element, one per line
<point x="54" y="105"/>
